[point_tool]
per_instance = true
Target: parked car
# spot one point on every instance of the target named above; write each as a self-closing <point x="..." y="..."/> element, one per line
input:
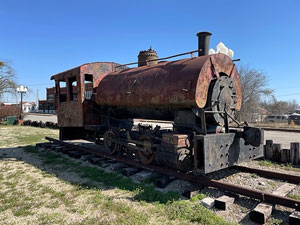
<point x="294" y="117"/>
<point x="276" y="119"/>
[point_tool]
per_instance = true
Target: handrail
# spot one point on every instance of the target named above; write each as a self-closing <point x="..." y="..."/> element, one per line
<point x="172" y="56"/>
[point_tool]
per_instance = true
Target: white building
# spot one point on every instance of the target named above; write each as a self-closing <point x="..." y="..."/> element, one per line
<point x="28" y="107"/>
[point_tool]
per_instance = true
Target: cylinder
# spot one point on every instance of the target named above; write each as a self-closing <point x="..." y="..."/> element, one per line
<point x="156" y="92"/>
<point x="203" y="42"/>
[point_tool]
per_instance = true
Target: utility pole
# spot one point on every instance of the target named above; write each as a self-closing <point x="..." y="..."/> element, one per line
<point x="21" y="89"/>
<point x="37" y="100"/>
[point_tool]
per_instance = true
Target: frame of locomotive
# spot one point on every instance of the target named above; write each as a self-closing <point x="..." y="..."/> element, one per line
<point x="178" y="135"/>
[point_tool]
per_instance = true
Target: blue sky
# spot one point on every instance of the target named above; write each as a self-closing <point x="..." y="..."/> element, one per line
<point x="42" y="38"/>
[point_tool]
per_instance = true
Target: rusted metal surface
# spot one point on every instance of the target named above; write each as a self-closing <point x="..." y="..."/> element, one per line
<point x="75" y="110"/>
<point x="270" y="174"/>
<point x="203" y="181"/>
<point x="222" y="151"/>
<point x="147" y="57"/>
<point x="183" y="83"/>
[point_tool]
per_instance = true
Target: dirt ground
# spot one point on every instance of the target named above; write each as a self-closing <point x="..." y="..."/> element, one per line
<point x="283" y="138"/>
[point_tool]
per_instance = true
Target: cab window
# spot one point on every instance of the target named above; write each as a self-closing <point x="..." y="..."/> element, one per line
<point x="62" y="91"/>
<point x="88" y="86"/>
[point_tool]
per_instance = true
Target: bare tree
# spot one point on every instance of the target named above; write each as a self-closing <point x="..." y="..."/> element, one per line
<point x="9" y="110"/>
<point x="253" y="83"/>
<point x="7" y="78"/>
<point x="280" y="107"/>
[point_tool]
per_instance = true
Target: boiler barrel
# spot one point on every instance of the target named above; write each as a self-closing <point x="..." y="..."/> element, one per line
<point x="167" y="86"/>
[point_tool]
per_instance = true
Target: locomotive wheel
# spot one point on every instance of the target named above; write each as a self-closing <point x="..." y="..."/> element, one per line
<point x="110" y="146"/>
<point x="147" y="156"/>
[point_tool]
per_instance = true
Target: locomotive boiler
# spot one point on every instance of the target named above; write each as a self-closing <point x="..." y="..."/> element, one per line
<point x="171" y="113"/>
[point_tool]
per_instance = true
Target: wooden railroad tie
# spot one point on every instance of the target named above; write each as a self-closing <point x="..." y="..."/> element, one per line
<point x="262" y="212"/>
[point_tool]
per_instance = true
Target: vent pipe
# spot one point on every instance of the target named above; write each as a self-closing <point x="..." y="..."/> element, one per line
<point x="203" y="42"/>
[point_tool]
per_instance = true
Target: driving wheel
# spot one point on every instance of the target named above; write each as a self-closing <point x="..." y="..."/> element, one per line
<point x="147" y="156"/>
<point x="110" y="146"/>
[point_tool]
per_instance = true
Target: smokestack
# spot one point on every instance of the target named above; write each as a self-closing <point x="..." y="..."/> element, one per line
<point x="203" y="42"/>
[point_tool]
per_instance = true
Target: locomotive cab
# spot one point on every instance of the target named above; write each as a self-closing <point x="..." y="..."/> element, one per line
<point x="74" y="90"/>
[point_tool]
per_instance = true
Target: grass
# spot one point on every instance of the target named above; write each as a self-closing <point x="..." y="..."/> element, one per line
<point x="198" y="197"/>
<point x="275" y="221"/>
<point x="272" y="183"/>
<point x="297" y="197"/>
<point x="12" y="136"/>
<point x="44" y="187"/>
<point x="288" y="167"/>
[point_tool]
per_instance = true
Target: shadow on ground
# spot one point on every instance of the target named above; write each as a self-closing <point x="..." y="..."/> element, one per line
<point x="88" y="176"/>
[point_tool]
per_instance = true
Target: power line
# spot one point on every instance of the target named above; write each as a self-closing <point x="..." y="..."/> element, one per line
<point x="31" y="85"/>
<point x="287" y="95"/>
<point x="287" y="87"/>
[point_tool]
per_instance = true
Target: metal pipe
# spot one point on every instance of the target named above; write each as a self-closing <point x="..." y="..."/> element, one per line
<point x="172" y="56"/>
<point x="203" y="42"/>
<point x="21" y="110"/>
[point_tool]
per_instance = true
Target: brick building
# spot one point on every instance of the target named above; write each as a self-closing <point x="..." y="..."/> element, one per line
<point x="49" y="105"/>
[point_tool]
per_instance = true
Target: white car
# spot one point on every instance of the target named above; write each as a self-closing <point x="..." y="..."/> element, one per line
<point x="276" y="119"/>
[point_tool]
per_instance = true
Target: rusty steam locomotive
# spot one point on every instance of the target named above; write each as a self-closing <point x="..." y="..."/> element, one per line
<point x="170" y="113"/>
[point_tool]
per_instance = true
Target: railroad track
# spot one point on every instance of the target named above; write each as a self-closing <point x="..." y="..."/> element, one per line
<point x="281" y="129"/>
<point x="201" y="180"/>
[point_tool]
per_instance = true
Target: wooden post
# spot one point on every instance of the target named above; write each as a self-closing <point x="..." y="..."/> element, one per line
<point x="294" y="156"/>
<point x="276" y="152"/>
<point x="269" y="151"/>
<point x="285" y="155"/>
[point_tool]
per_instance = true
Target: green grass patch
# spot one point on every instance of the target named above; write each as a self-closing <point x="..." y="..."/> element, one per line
<point x="275" y="221"/>
<point x="17" y="201"/>
<point x="297" y="197"/>
<point x="53" y="218"/>
<point x="288" y="167"/>
<point x="192" y="212"/>
<point x="272" y="183"/>
<point x="24" y="135"/>
<point x="31" y="149"/>
<point x="253" y="175"/>
<point x="266" y="163"/>
<point x="198" y="197"/>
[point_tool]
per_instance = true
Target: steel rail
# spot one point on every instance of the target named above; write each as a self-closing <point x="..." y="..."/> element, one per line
<point x="281" y="129"/>
<point x="198" y="180"/>
<point x="294" y="179"/>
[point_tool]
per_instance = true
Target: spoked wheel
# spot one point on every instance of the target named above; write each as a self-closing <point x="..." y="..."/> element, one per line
<point x="147" y="156"/>
<point x="110" y="146"/>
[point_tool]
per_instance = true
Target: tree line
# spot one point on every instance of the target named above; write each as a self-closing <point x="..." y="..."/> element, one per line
<point x="254" y="90"/>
